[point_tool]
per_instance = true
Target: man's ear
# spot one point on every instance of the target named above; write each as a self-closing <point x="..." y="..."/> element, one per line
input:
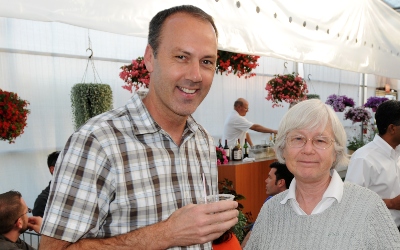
<point x="281" y="183"/>
<point x="18" y="224"/>
<point x="149" y="58"/>
<point x="51" y="169"/>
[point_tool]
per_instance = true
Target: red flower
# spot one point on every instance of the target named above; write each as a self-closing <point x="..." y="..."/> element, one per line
<point x="135" y="75"/>
<point x="288" y="88"/>
<point x="239" y="64"/>
<point x="13" y="117"/>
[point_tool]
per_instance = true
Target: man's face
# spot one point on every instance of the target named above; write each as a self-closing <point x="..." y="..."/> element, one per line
<point x="182" y="73"/>
<point x="272" y="187"/>
<point x="243" y="109"/>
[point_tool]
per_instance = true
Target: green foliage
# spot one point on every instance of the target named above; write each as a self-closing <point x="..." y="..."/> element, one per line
<point x="356" y="143"/>
<point x="312" y="96"/>
<point x="89" y="100"/>
<point x="238" y="229"/>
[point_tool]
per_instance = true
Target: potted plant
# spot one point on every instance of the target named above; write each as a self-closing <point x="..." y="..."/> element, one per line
<point x="89" y="100"/>
<point x="227" y="188"/>
<point x="339" y="102"/>
<point x="236" y="63"/>
<point x="358" y="114"/>
<point x="13" y="116"/>
<point x="374" y="101"/>
<point x="288" y="88"/>
<point x="354" y="144"/>
<point x="312" y="96"/>
<point x="221" y="156"/>
<point x="135" y="75"/>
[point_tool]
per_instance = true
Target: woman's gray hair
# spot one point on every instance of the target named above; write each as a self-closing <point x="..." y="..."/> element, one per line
<point x="312" y="114"/>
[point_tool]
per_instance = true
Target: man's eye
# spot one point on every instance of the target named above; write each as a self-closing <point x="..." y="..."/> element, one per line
<point x="181" y="57"/>
<point x="297" y="138"/>
<point x="208" y="62"/>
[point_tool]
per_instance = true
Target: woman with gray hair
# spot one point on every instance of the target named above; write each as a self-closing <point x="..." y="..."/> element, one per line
<point x="319" y="211"/>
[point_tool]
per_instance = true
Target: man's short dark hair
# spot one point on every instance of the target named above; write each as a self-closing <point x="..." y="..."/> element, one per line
<point x="387" y="113"/>
<point x="10" y="209"/>
<point x="52" y="159"/>
<point x="158" y="20"/>
<point x="282" y="172"/>
<point x="238" y="103"/>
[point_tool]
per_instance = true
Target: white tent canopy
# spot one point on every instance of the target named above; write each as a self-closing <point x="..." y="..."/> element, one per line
<point x="355" y="35"/>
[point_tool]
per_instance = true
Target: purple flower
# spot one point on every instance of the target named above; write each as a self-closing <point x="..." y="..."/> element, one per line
<point x="339" y="102"/>
<point x="374" y="101"/>
<point x="358" y="114"/>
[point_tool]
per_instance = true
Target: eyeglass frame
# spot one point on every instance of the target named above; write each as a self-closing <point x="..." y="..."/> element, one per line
<point x="29" y="211"/>
<point x="305" y="140"/>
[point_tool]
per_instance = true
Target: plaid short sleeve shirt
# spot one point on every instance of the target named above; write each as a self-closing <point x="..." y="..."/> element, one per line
<point x="121" y="171"/>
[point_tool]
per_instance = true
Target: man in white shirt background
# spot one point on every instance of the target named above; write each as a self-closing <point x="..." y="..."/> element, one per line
<point x="376" y="165"/>
<point x="236" y="125"/>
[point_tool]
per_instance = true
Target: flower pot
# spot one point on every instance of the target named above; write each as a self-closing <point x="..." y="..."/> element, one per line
<point x="350" y="152"/>
<point x="374" y="109"/>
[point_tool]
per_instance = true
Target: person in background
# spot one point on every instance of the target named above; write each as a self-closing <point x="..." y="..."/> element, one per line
<point x="14" y="221"/>
<point x="278" y="180"/>
<point x="319" y="211"/>
<point x="41" y="200"/>
<point x="376" y="165"/>
<point x="129" y="178"/>
<point x="236" y="125"/>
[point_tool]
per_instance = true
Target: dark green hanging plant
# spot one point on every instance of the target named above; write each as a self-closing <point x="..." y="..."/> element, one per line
<point x="89" y="100"/>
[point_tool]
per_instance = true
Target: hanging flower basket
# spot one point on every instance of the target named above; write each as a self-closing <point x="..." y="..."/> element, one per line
<point x="374" y="101"/>
<point x="13" y="116"/>
<point x="236" y="63"/>
<point x="288" y="88"/>
<point x="357" y="114"/>
<point x="89" y="100"/>
<point x="135" y="75"/>
<point x="339" y="102"/>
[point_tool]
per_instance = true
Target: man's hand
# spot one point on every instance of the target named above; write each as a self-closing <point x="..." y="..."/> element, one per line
<point x="34" y="223"/>
<point x="197" y="224"/>
<point x="393" y="203"/>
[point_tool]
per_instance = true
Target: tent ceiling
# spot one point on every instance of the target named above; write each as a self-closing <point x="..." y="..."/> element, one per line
<point x="355" y="35"/>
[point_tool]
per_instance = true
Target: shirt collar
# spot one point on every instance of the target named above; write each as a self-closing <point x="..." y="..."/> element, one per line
<point x="144" y="123"/>
<point x="387" y="149"/>
<point x="334" y="190"/>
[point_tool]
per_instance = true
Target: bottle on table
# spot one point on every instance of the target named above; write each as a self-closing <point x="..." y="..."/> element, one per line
<point x="245" y="149"/>
<point x="227" y="150"/>
<point x="220" y="145"/>
<point x="237" y="151"/>
<point x="271" y="141"/>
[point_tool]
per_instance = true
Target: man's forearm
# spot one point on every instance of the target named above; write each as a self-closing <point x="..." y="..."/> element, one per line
<point x="150" y="237"/>
<point x="262" y="129"/>
<point x="393" y="203"/>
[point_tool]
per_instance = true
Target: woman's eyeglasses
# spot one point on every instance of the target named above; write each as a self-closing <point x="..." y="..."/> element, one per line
<point x="298" y="141"/>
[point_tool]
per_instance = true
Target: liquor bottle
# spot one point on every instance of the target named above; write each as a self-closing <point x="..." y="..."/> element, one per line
<point x="271" y="141"/>
<point x="220" y="145"/>
<point x="245" y="148"/>
<point x="237" y="151"/>
<point x="227" y="150"/>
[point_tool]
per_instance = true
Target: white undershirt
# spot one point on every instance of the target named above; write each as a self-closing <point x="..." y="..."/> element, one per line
<point x="332" y="193"/>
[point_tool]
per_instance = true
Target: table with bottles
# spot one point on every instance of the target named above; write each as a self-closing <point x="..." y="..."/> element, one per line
<point x="248" y="180"/>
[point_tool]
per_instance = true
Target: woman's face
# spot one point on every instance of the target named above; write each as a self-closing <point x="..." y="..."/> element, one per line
<point x="308" y="163"/>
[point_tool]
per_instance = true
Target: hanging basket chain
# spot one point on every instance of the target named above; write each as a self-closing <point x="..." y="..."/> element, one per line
<point x="90" y="59"/>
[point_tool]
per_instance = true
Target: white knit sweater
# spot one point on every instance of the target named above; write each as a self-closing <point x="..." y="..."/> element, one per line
<point x="360" y="221"/>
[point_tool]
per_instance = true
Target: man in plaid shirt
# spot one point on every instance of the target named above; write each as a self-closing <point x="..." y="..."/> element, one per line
<point x="129" y="178"/>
